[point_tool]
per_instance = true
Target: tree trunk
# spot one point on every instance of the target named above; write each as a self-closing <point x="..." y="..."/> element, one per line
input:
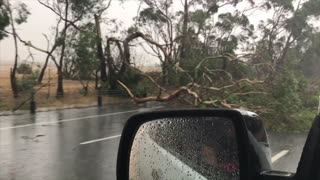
<point x="43" y="70"/>
<point x="13" y="82"/>
<point x="113" y="82"/>
<point x="103" y="65"/>
<point x="165" y="74"/>
<point x="13" y="78"/>
<point x="224" y="64"/>
<point x="49" y="84"/>
<point x="184" y="40"/>
<point x="60" y="92"/>
<point x="113" y="76"/>
<point x="96" y="79"/>
<point x="86" y="90"/>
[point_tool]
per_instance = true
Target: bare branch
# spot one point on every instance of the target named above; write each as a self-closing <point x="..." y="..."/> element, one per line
<point x="236" y="83"/>
<point x="100" y="12"/>
<point x="160" y="98"/>
<point x="28" y="43"/>
<point x="48" y="41"/>
<point x="72" y="23"/>
<point x="249" y="93"/>
<point x="211" y="71"/>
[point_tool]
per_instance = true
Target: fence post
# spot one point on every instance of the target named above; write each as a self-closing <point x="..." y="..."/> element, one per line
<point x="33" y="105"/>
<point x="99" y="96"/>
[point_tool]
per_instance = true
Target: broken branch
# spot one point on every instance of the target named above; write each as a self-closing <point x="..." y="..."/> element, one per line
<point x="159" y="98"/>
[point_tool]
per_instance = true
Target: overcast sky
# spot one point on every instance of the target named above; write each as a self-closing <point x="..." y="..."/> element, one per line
<point x="41" y="22"/>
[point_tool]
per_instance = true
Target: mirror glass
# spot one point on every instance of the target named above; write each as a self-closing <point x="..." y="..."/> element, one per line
<point x="185" y="148"/>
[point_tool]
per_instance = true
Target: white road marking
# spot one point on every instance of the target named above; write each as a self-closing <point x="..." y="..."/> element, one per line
<point x="76" y="119"/>
<point x="279" y="155"/>
<point x="102" y="139"/>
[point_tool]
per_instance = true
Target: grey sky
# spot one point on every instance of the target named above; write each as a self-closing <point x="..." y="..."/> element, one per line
<point x="41" y="22"/>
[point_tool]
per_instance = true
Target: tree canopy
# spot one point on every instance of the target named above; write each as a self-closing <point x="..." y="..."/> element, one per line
<point x="4" y="19"/>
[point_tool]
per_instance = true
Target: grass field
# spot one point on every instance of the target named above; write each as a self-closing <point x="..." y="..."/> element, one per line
<point x="46" y="96"/>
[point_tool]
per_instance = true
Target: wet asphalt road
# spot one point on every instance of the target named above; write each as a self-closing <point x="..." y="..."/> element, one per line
<point x="69" y="144"/>
<point x="293" y="143"/>
<point x="35" y="149"/>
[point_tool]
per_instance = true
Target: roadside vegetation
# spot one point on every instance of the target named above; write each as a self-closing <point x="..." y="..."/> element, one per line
<point x="210" y="53"/>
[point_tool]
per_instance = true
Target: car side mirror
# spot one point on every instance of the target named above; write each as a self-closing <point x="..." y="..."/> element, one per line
<point x="184" y="144"/>
<point x="309" y="165"/>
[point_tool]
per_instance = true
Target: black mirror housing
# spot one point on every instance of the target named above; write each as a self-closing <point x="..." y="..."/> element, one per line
<point x="136" y="121"/>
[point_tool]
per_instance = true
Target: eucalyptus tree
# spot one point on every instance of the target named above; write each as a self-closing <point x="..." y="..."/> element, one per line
<point x="14" y="15"/>
<point x="193" y="29"/>
<point x="4" y="19"/>
<point x="73" y="13"/>
<point x="288" y="28"/>
<point x="81" y="61"/>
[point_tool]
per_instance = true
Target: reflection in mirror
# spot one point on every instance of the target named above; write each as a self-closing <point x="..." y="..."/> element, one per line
<point x="185" y="148"/>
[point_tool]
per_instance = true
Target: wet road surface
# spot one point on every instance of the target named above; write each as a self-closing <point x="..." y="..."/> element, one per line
<point x="40" y="148"/>
<point x="82" y="144"/>
<point x="292" y="144"/>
